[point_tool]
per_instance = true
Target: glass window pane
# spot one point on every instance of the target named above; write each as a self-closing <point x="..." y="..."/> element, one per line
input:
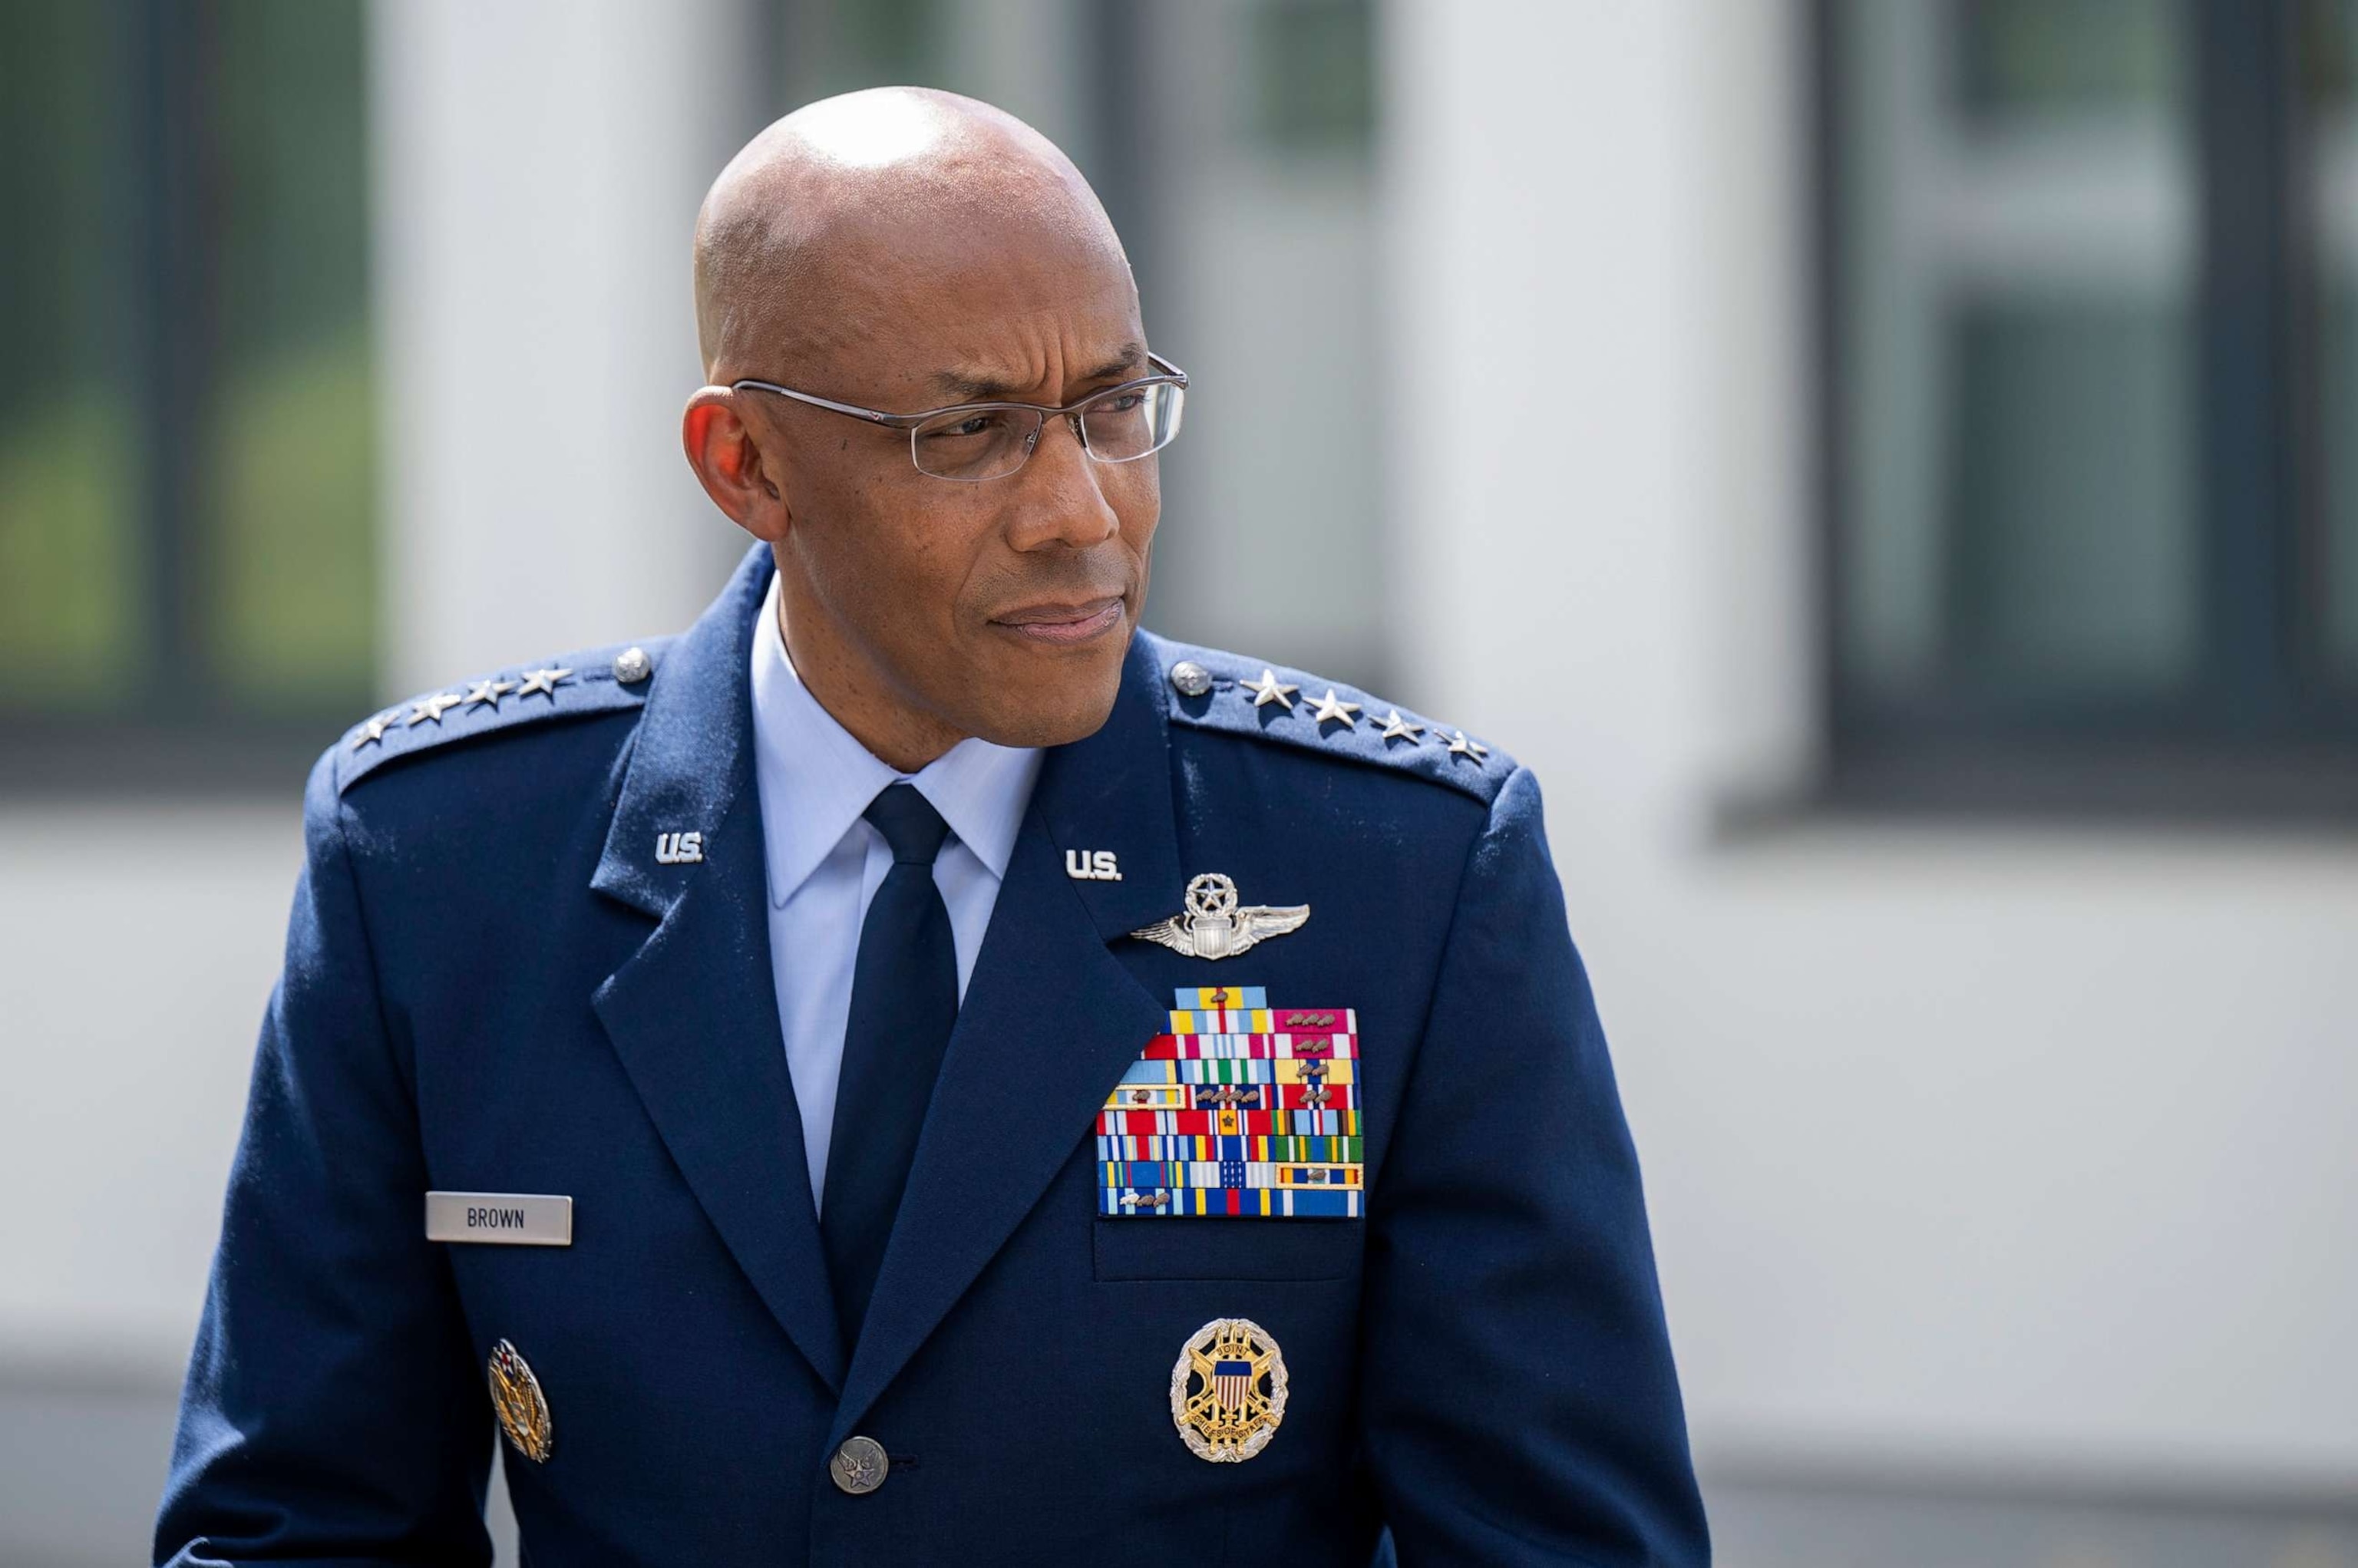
<point x="842" y="46"/>
<point x="290" y="622"/>
<point x="1313" y="73"/>
<point x="2072" y="561"/>
<point x="2020" y="57"/>
<point x="70" y="461"/>
<point x="2330" y="60"/>
<point x="2016" y="232"/>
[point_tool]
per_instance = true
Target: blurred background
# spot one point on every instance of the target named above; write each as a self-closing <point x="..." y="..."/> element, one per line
<point x="1891" y="466"/>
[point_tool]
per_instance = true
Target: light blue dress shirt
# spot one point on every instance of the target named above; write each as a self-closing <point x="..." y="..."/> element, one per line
<point x="826" y="860"/>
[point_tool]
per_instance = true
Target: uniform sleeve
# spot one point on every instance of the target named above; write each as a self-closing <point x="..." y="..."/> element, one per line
<point x="1517" y="1391"/>
<point x="332" y="1413"/>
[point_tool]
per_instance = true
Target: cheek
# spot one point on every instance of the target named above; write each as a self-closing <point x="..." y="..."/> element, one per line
<point x="932" y="559"/>
<point x="1135" y="493"/>
<point x="880" y="551"/>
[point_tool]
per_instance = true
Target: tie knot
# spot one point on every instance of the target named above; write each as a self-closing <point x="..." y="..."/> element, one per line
<point x="909" y="822"/>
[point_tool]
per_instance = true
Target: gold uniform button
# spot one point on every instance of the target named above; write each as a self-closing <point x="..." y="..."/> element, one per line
<point x="859" y="1467"/>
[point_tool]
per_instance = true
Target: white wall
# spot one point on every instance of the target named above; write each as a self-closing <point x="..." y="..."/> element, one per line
<point x="539" y="168"/>
<point x="2019" y="1148"/>
<point x="137" y="946"/>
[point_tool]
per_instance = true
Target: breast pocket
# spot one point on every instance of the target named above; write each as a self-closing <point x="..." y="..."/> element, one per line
<point x="1209" y="1248"/>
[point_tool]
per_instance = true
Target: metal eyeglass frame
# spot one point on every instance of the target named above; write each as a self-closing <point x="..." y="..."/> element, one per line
<point x="1167" y="375"/>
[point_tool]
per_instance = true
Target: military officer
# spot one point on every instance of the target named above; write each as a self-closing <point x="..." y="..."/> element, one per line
<point x="916" y="1068"/>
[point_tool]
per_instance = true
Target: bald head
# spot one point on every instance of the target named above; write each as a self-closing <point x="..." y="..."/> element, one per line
<point x="820" y="230"/>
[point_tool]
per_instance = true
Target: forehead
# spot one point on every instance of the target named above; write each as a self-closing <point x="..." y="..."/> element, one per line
<point x="1020" y="304"/>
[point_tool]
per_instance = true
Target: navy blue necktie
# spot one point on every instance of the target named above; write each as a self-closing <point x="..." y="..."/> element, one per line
<point x="904" y="1000"/>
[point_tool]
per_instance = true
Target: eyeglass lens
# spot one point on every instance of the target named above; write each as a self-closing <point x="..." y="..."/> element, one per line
<point x="988" y="443"/>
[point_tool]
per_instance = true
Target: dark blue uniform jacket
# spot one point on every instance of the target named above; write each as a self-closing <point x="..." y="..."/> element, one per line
<point x="494" y="985"/>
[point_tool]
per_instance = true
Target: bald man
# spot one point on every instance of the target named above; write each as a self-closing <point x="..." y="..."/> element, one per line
<point x="917" y="1069"/>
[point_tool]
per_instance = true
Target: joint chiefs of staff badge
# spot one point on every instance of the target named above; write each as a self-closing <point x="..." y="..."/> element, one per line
<point x="1228" y="1391"/>
<point x="517" y="1397"/>
<point x="1213" y="926"/>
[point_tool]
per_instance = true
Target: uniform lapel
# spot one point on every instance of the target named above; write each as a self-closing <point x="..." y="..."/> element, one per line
<point x="693" y="1012"/>
<point x="1050" y="1022"/>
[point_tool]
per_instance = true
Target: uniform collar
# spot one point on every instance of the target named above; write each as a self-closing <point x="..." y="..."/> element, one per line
<point x="816" y="778"/>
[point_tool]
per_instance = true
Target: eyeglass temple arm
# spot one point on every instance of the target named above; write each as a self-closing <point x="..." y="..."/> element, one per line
<point x="870" y="416"/>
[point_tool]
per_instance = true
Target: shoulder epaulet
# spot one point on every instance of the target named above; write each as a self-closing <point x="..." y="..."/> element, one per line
<point x="1212" y="691"/>
<point x="596" y="680"/>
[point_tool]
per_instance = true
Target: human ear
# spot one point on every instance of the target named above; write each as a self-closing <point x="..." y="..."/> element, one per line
<point x="731" y="464"/>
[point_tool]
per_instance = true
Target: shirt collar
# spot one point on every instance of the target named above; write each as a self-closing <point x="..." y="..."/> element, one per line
<point x="816" y="778"/>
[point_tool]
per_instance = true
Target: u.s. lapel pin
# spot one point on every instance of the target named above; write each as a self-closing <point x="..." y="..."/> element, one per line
<point x="1214" y="925"/>
<point x="1092" y="866"/>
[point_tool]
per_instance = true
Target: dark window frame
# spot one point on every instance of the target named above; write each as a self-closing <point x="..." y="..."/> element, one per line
<point x="2261" y="736"/>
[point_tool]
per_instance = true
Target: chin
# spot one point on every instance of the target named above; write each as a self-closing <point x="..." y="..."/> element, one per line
<point x="1058" y="714"/>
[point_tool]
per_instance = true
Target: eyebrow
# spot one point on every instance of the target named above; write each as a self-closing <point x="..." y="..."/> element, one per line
<point x="971" y="388"/>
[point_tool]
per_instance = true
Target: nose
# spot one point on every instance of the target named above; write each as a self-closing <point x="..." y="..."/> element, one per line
<point x="1060" y="499"/>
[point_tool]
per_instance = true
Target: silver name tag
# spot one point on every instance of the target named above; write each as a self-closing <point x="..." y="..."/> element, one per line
<point x="512" y="1220"/>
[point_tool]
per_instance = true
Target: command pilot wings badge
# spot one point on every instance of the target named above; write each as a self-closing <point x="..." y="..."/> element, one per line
<point x="1213" y="926"/>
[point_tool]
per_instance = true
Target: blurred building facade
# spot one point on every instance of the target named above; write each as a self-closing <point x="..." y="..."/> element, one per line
<point x="1889" y="465"/>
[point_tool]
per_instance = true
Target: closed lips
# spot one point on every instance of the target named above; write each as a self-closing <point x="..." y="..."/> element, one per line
<point x="1064" y="622"/>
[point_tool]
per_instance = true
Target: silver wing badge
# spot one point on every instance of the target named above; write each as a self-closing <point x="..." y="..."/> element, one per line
<point x="1214" y="928"/>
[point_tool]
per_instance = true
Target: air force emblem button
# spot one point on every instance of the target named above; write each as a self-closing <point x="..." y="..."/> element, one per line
<point x="860" y="1465"/>
<point x="1228" y="1391"/>
<point x="1214" y="926"/>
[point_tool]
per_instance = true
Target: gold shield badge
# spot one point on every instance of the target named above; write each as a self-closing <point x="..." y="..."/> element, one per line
<point x="516" y="1396"/>
<point x="1228" y="1391"/>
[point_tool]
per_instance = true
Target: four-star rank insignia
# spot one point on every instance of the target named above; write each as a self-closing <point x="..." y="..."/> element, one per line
<point x="1242" y="1111"/>
<point x="1227" y="1390"/>
<point x="517" y="1400"/>
<point x="1213" y="926"/>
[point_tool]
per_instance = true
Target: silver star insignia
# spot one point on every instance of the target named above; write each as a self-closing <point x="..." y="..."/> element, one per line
<point x="1269" y="690"/>
<point x="1213" y="926"/>
<point x="489" y="691"/>
<point x="1398" y="729"/>
<point x="542" y="681"/>
<point x="1461" y="747"/>
<point x="1330" y="707"/>
<point x="432" y="708"/>
<point x="374" y="731"/>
